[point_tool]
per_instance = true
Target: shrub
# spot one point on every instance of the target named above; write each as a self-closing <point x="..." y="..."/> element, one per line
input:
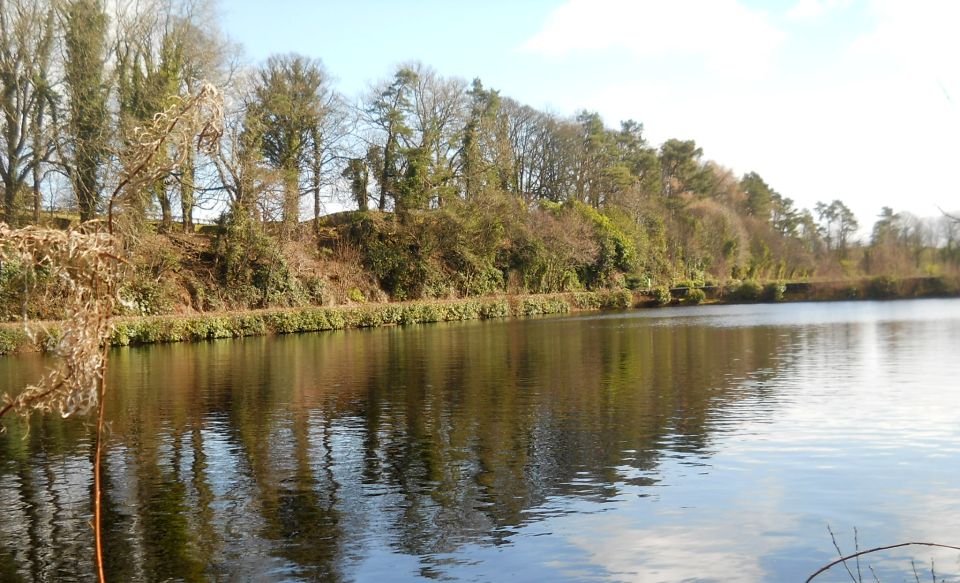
<point x="882" y="287"/>
<point x="148" y="298"/>
<point x="495" y="309"/>
<point x="637" y="281"/>
<point x="662" y="296"/>
<point x="747" y="291"/>
<point x="12" y="339"/>
<point x="695" y="296"/>
<point x="250" y="264"/>
<point x="355" y="295"/>
<point x="534" y="305"/>
<point x="774" y="291"/>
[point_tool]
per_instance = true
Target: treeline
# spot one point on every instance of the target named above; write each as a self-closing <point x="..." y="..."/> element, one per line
<point x="460" y="190"/>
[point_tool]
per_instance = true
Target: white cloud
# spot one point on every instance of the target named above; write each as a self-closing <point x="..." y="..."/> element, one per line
<point x="871" y="125"/>
<point x="921" y="34"/>
<point x="812" y="9"/>
<point x="730" y="38"/>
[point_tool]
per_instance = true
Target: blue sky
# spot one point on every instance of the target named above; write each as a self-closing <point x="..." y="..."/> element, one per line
<point x="850" y="99"/>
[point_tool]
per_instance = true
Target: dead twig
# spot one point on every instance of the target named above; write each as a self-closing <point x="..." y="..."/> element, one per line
<point x="827" y="567"/>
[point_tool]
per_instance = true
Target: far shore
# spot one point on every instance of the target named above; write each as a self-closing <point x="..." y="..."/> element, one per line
<point x="192" y="327"/>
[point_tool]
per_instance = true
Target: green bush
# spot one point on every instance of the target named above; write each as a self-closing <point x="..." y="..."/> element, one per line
<point x="534" y="305"/>
<point x="637" y="281"/>
<point x="251" y="266"/>
<point x="662" y="296"/>
<point x="147" y="297"/>
<point x="356" y="296"/>
<point x="882" y="287"/>
<point x="12" y="340"/>
<point x="495" y="309"/>
<point x="695" y="296"/>
<point x="747" y="291"/>
<point x="616" y="251"/>
<point x="774" y="291"/>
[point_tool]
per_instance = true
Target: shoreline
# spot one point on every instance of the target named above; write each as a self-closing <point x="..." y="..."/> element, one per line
<point x="140" y="330"/>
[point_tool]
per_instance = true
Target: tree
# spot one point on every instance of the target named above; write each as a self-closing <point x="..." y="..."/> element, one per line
<point x="327" y="137"/>
<point x="485" y="151"/>
<point x="288" y="100"/>
<point x="436" y="121"/>
<point x="680" y="167"/>
<point x="149" y="63"/>
<point x="759" y="196"/>
<point x="385" y="111"/>
<point x="886" y="227"/>
<point x="164" y="50"/>
<point x="837" y="223"/>
<point x="85" y="35"/>
<point x="357" y="173"/>
<point x="785" y="219"/>
<point x="26" y="42"/>
<point x="598" y="172"/>
<point x="639" y="158"/>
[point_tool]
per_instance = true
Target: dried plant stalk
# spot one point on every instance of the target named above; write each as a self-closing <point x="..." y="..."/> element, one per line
<point x="89" y="270"/>
<point x="88" y="267"/>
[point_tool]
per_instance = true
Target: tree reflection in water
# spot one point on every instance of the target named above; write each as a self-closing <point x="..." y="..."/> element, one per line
<point x="295" y="457"/>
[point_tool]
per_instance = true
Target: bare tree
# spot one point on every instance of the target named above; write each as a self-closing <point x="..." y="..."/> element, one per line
<point x="26" y="43"/>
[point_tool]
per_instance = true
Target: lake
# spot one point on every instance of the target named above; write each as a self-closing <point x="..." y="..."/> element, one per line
<point x="712" y="443"/>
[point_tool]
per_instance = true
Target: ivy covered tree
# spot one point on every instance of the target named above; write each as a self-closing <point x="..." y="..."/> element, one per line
<point x="288" y="107"/>
<point x="88" y="128"/>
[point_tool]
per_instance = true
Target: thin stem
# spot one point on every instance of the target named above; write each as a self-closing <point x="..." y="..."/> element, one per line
<point x="97" y="480"/>
<point x="873" y="550"/>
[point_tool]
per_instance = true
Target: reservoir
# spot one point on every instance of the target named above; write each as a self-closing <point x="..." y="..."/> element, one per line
<point x="710" y="443"/>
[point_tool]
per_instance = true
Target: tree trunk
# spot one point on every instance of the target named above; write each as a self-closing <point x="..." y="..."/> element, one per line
<point x="291" y="203"/>
<point x="187" y="199"/>
<point x="9" y="201"/>
<point x="317" y="204"/>
<point x="166" y="211"/>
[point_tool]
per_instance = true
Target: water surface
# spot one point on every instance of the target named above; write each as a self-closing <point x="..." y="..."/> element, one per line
<point x="692" y="444"/>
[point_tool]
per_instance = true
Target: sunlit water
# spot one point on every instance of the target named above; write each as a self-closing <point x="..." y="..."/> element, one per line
<point x="701" y="444"/>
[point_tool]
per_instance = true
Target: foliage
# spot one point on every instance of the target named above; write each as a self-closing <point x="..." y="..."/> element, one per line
<point x="882" y="287"/>
<point x="616" y="252"/>
<point x="774" y="291"/>
<point x="161" y="329"/>
<point x="250" y="265"/>
<point x="748" y="290"/>
<point x="662" y="296"/>
<point x="695" y="296"/>
<point x="357" y="296"/>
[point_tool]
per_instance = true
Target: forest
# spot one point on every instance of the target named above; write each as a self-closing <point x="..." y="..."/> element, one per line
<point x="442" y="187"/>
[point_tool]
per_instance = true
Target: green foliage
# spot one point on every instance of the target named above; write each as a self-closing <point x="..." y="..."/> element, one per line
<point x="535" y="305"/>
<point x="148" y="297"/>
<point x="355" y="295"/>
<point x="33" y="292"/>
<point x="689" y="283"/>
<point x="695" y="296"/>
<point x="250" y="265"/>
<point x="314" y="319"/>
<point x="618" y="299"/>
<point x="12" y="339"/>
<point x="662" y="296"/>
<point x="774" y="291"/>
<point x="882" y="287"/>
<point x="748" y="290"/>
<point x="616" y="252"/>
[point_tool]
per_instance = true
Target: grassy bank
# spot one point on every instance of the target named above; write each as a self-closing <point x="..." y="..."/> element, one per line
<point x="150" y="330"/>
<point x="159" y="329"/>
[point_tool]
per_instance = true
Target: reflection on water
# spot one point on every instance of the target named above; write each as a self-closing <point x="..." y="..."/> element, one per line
<point x="710" y="443"/>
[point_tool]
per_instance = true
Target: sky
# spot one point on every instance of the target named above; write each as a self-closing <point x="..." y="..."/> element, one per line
<point x="825" y="99"/>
